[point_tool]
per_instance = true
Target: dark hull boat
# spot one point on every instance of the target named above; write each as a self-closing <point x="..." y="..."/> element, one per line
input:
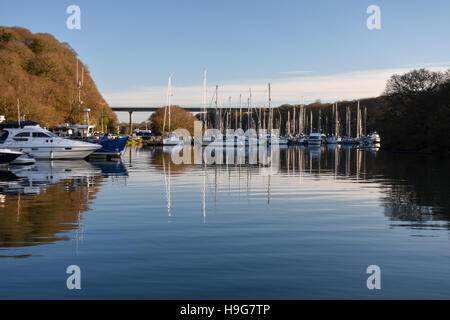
<point x="7" y="156"/>
<point x="111" y="147"/>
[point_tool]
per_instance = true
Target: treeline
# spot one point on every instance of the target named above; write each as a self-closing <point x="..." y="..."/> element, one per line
<point x="40" y="71"/>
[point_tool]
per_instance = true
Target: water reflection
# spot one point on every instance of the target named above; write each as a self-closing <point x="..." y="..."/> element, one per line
<point x="40" y="203"/>
<point x="415" y="187"/>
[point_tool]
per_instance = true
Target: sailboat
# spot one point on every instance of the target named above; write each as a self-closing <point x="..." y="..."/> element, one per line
<point x="347" y="138"/>
<point x="302" y="138"/>
<point x="315" y="138"/>
<point x="217" y="139"/>
<point x="335" y="139"/>
<point x="206" y="139"/>
<point x="172" y="139"/>
<point x="271" y="137"/>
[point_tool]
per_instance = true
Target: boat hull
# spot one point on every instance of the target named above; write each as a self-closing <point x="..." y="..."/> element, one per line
<point x="58" y="153"/>
<point x="113" y="146"/>
<point x="7" y="157"/>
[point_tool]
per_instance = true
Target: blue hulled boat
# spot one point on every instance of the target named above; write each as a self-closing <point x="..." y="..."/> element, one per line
<point x="111" y="147"/>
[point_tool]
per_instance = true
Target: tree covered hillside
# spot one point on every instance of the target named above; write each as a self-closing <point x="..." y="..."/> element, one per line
<point x="41" y="72"/>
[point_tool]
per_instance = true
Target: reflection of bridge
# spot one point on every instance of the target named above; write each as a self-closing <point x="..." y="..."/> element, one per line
<point x="131" y="110"/>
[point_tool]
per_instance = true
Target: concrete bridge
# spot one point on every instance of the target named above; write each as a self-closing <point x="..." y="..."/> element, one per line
<point x="131" y="110"/>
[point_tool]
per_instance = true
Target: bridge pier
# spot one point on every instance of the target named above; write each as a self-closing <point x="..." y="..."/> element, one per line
<point x="131" y="122"/>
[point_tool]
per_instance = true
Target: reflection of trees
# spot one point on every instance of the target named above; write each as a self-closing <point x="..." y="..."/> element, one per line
<point x="28" y="220"/>
<point x="421" y="188"/>
<point x="160" y="157"/>
<point x="400" y="204"/>
<point x="417" y="186"/>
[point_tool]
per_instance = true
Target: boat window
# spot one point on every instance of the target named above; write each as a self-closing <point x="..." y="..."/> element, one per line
<point x="51" y="134"/>
<point x="40" y="135"/>
<point x="22" y="134"/>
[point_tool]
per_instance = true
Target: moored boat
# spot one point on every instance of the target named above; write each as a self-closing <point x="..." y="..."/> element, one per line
<point x="333" y="140"/>
<point x="315" y="139"/>
<point x="375" y="137"/>
<point x="7" y="156"/>
<point x="23" y="160"/>
<point x="39" y="143"/>
<point x="172" y="140"/>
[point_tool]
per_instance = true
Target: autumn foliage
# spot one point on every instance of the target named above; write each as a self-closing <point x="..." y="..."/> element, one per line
<point x="179" y="119"/>
<point x="40" y="71"/>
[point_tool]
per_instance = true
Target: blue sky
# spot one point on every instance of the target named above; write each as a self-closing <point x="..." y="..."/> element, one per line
<point x="132" y="46"/>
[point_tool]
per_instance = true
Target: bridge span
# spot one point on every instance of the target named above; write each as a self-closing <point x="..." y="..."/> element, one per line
<point x="131" y="110"/>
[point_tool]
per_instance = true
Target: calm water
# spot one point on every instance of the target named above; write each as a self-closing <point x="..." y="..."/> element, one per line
<point x="149" y="228"/>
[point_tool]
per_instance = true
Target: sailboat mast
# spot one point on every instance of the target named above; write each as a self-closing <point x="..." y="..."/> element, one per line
<point x="358" y="122"/>
<point x="319" y="126"/>
<point x="270" y="112"/>
<point x="349" y="122"/>
<point x="220" y="111"/>
<point x="236" y="120"/>
<point x="289" y="123"/>
<point x="336" y="121"/>
<point x="216" y="115"/>
<point x="251" y="107"/>
<point x="293" y="125"/>
<point x="205" y="114"/>
<point x="229" y="116"/>
<point x="248" y="113"/>
<point x="240" y="111"/>
<point x="169" y="97"/>
<point x="365" y="121"/>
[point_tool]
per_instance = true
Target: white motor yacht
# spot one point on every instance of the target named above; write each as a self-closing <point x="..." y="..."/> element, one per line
<point x="40" y="143"/>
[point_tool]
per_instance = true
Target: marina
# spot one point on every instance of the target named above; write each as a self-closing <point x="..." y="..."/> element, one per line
<point x="231" y="159"/>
